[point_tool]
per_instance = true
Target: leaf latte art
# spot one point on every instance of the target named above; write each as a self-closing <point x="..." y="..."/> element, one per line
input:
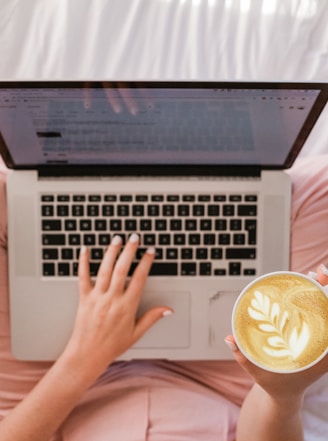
<point x="281" y="322"/>
<point x="284" y="339"/>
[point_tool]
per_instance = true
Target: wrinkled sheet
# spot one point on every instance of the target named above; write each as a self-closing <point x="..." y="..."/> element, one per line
<point x="175" y="39"/>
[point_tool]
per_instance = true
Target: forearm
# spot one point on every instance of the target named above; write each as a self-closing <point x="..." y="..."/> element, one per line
<point x="42" y="412"/>
<point x="264" y="418"/>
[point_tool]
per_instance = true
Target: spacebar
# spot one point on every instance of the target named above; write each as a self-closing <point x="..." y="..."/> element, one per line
<point x="164" y="269"/>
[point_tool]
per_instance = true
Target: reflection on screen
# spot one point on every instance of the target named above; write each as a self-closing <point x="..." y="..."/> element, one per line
<point x="152" y="125"/>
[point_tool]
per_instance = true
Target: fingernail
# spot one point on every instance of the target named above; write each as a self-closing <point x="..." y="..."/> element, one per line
<point x="324" y="269"/>
<point x="151" y="250"/>
<point x="83" y="249"/>
<point x="231" y="345"/>
<point x="167" y="312"/>
<point x="116" y="240"/>
<point x="134" y="238"/>
<point x="313" y="275"/>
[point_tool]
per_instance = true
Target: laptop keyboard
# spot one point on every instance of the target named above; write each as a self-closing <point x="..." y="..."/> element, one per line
<point x="194" y="235"/>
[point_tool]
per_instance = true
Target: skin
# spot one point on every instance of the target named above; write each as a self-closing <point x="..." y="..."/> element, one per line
<point x="106" y="320"/>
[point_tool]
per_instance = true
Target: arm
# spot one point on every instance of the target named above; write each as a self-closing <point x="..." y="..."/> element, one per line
<point x="272" y="409"/>
<point x="105" y="327"/>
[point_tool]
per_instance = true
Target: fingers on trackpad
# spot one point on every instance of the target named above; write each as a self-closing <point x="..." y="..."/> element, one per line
<point x="172" y="331"/>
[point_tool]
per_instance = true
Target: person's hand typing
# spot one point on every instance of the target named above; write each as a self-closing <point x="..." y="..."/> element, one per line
<point x="106" y="324"/>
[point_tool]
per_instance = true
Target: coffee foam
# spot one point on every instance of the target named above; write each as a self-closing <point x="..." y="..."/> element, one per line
<point x="282" y="322"/>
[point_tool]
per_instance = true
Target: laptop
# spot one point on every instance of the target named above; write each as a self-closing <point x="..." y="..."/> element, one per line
<point x="197" y="169"/>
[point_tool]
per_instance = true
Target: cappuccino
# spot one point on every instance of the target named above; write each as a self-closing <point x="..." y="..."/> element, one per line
<point x="280" y="322"/>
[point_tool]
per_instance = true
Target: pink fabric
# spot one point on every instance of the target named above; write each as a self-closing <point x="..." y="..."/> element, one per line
<point x="164" y="400"/>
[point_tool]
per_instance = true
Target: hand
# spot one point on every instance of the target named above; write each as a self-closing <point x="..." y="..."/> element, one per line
<point x="284" y="385"/>
<point x="106" y="324"/>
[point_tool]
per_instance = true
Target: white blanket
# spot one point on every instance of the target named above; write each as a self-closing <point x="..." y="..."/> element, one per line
<point x="175" y="39"/>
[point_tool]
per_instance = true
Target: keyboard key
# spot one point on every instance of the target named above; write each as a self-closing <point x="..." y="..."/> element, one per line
<point x="48" y="269"/>
<point x="126" y="198"/>
<point x="53" y="239"/>
<point x="186" y="253"/>
<point x="247" y="210"/>
<point x="183" y="210"/>
<point x="188" y="269"/>
<point x="175" y="225"/>
<point x="94" y="198"/>
<point x="216" y="253"/>
<point x="63" y="198"/>
<point x="220" y="225"/>
<point x="220" y="272"/>
<point x="179" y="239"/>
<point x="115" y="225"/>
<point x="157" y="198"/>
<point x="131" y="225"/>
<point x="123" y="210"/>
<point x="239" y="239"/>
<point x="62" y="210"/>
<point x="78" y="210"/>
<point x="85" y="225"/>
<point x="149" y="239"/>
<point x="79" y="198"/>
<point x="194" y="239"/>
<point x="224" y="239"/>
<point x="50" y="253"/>
<point x="47" y="210"/>
<point x="138" y="210"/>
<point x="235" y="224"/>
<point x="108" y="210"/>
<point x="191" y="225"/>
<point x="240" y="253"/>
<point x="67" y="253"/>
<point x="142" y="198"/>
<point x="205" y="268"/>
<point x="249" y="272"/>
<point x="153" y="210"/>
<point x="51" y="225"/>
<point x="228" y="210"/>
<point x="47" y="198"/>
<point x="93" y="210"/>
<point x="168" y="210"/>
<point x="250" y="226"/>
<point x="70" y="225"/>
<point x="213" y="210"/>
<point x="74" y="239"/>
<point x="198" y="210"/>
<point x="164" y="239"/>
<point x="201" y="253"/>
<point x="63" y="269"/>
<point x="160" y="224"/>
<point x="103" y="239"/>
<point x="171" y="253"/>
<point x="145" y="225"/>
<point x="164" y="269"/>
<point x="100" y="225"/>
<point x="89" y="239"/>
<point x="96" y="253"/>
<point x="234" y="268"/>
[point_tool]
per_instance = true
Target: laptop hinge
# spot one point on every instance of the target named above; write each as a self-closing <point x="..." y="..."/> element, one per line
<point x="148" y="170"/>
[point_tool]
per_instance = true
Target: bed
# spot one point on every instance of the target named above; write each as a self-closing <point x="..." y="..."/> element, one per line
<point x="175" y="39"/>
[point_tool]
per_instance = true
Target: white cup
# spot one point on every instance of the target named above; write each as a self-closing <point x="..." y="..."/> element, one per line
<point x="280" y="322"/>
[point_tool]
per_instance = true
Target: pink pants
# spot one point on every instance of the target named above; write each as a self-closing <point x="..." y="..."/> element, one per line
<point x="163" y="400"/>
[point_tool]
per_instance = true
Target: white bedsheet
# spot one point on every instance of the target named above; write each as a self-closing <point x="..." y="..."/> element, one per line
<point x="175" y="39"/>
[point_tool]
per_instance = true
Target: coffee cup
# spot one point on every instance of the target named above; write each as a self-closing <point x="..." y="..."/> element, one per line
<point x="280" y="322"/>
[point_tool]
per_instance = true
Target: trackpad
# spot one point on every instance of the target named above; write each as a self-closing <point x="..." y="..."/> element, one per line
<point x="172" y="331"/>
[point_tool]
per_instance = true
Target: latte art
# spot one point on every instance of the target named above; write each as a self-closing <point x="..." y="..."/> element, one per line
<point x="281" y="322"/>
<point x="284" y="339"/>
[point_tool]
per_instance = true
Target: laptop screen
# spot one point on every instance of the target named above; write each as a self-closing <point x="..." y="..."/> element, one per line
<point x="156" y="123"/>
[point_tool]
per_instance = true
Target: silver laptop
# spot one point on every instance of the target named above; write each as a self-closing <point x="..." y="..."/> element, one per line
<point x="196" y="168"/>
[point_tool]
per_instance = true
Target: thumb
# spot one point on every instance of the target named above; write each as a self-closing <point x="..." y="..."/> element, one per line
<point x="149" y="318"/>
<point x="238" y="356"/>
